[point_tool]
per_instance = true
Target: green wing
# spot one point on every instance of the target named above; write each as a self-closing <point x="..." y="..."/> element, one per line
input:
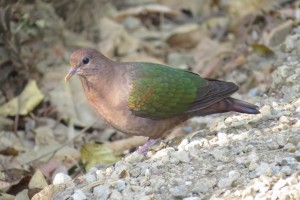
<point x="158" y="91"/>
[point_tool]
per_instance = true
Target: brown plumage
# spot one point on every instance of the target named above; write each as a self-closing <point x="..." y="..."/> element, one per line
<point x="150" y="99"/>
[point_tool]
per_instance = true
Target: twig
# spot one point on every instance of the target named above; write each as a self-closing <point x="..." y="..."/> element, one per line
<point x="16" y="122"/>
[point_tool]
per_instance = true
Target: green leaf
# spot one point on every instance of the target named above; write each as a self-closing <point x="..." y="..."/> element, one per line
<point x="93" y="154"/>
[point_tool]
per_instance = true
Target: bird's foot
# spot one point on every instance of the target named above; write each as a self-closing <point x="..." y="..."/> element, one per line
<point x="144" y="149"/>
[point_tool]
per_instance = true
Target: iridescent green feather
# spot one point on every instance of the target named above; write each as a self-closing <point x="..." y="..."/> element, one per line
<point x="159" y="91"/>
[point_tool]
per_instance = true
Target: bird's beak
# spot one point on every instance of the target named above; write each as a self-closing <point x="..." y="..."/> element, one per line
<point x="70" y="73"/>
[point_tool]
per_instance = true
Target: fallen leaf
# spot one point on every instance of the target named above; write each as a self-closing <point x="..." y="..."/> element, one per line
<point x="25" y="102"/>
<point x="115" y="39"/>
<point x="141" y="11"/>
<point x="186" y="36"/>
<point x="37" y="180"/>
<point x="278" y="34"/>
<point x="262" y="49"/>
<point x="93" y="154"/>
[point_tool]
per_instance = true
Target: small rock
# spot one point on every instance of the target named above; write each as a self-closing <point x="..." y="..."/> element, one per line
<point x="101" y="192"/>
<point x="266" y="180"/>
<point x="266" y="112"/>
<point x="288" y="161"/>
<point x="289" y="147"/>
<point x="264" y="169"/>
<point x="297" y="155"/>
<point x="202" y="186"/>
<point x="78" y="195"/>
<point x="281" y="183"/>
<point x="182" y="145"/>
<point x="272" y="145"/>
<point x="225" y="183"/>
<point x="147" y="173"/>
<point x="219" y="155"/>
<point x="121" y="185"/>
<point x="174" y="160"/>
<point x="116" y="195"/>
<point x="136" y="188"/>
<point x="234" y="175"/>
<point x="135" y="172"/>
<point x="252" y="166"/>
<point x="192" y="198"/>
<point x="179" y="191"/>
<point x="61" y="178"/>
<point x="182" y="156"/>
<point x="223" y="138"/>
<point x="144" y="182"/>
<point x="253" y="157"/>
<point x="90" y="177"/>
<point x="135" y="157"/>
<point x="148" y="190"/>
<point x="286" y="170"/>
<point x="281" y="140"/>
<point x="284" y="120"/>
<point x="192" y="145"/>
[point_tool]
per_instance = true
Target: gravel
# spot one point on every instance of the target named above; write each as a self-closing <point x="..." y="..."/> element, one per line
<point x="238" y="157"/>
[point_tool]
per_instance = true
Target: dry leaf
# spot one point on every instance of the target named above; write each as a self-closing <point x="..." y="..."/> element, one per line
<point x="37" y="181"/>
<point x="186" y="36"/>
<point x="25" y="102"/>
<point x="93" y="154"/>
<point x="145" y="10"/>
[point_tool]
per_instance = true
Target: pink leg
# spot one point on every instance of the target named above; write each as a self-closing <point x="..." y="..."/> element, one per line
<point x="144" y="149"/>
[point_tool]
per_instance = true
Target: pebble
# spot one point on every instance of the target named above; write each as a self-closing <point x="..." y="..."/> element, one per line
<point x="284" y="120"/>
<point x="297" y="155"/>
<point x="135" y="172"/>
<point x="234" y="175"/>
<point x="90" y="177"/>
<point x="179" y="191"/>
<point x="225" y="183"/>
<point x="264" y="169"/>
<point x="281" y="183"/>
<point x="266" y="112"/>
<point x="288" y="161"/>
<point x="202" y="186"/>
<point x="116" y="195"/>
<point x="147" y="173"/>
<point x="253" y="157"/>
<point x="120" y="185"/>
<point x="223" y="138"/>
<point x="60" y="178"/>
<point x="182" y="156"/>
<point x="286" y="170"/>
<point x="78" y="195"/>
<point x="135" y="157"/>
<point x="289" y="147"/>
<point x="109" y="171"/>
<point x="101" y="192"/>
<point x="192" y="198"/>
<point x="182" y="145"/>
<point x="219" y="155"/>
<point x="281" y="140"/>
<point x="195" y="145"/>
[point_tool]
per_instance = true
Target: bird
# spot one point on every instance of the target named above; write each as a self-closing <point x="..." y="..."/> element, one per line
<point x="148" y="99"/>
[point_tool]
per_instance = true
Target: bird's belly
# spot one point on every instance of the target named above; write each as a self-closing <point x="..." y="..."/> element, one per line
<point x="130" y="124"/>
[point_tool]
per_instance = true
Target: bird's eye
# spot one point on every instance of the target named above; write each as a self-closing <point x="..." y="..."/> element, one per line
<point x="85" y="60"/>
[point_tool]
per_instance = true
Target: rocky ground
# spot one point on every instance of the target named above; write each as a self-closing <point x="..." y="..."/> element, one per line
<point x="238" y="157"/>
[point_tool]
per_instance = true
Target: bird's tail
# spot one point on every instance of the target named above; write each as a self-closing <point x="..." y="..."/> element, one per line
<point x="236" y="105"/>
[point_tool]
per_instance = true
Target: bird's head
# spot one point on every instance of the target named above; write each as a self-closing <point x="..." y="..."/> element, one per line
<point x="85" y="62"/>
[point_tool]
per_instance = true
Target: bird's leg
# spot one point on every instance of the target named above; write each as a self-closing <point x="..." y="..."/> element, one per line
<point x="143" y="149"/>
